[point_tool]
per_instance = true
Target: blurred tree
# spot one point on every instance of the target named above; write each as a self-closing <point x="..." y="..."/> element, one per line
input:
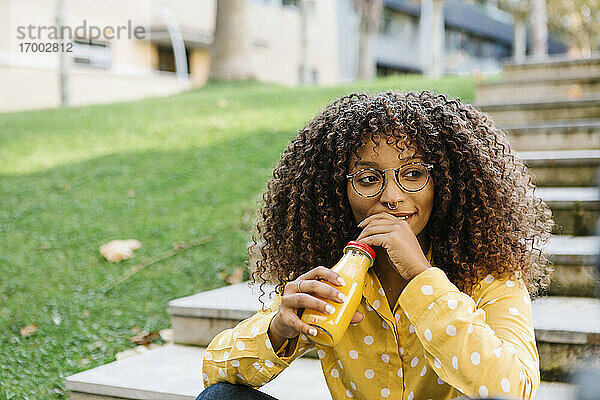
<point x="576" y="22"/>
<point x="369" y="12"/>
<point x="229" y="53"/>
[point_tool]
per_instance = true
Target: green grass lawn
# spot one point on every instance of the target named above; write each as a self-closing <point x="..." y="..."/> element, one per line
<point x="162" y="170"/>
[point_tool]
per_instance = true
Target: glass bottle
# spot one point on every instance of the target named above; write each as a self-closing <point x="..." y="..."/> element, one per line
<point x="352" y="267"/>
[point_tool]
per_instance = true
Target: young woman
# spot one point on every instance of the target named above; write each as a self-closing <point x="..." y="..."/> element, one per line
<point x="432" y="185"/>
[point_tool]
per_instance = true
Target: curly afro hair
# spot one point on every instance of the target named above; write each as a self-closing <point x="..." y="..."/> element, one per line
<point x="485" y="218"/>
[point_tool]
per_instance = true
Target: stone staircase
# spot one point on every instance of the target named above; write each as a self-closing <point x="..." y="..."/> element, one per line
<point x="551" y="112"/>
<point x="560" y="79"/>
<point x="581" y="134"/>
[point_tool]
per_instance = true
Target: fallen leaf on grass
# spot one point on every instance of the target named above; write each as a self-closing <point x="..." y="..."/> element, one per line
<point x="217" y="125"/>
<point x="222" y="103"/>
<point x="117" y="250"/>
<point x="84" y="361"/>
<point x="28" y="330"/>
<point x="145" y="338"/>
<point x="130" y="193"/>
<point x="180" y="245"/>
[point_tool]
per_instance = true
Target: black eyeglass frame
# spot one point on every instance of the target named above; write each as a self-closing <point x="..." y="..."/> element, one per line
<point x="396" y="172"/>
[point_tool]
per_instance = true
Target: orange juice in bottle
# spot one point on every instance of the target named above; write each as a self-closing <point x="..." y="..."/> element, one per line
<point x="352" y="267"/>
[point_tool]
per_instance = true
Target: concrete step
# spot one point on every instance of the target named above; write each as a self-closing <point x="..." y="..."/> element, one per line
<point x="567" y="332"/>
<point x="196" y="319"/>
<point x="566" y="328"/>
<point x="174" y="372"/>
<point x="563" y="167"/>
<point x="576" y="211"/>
<point x="555" y="135"/>
<point x="555" y="67"/>
<point x="575" y="281"/>
<point x="567" y="320"/>
<point x="517" y="112"/>
<point x="574" y="250"/>
<point x="575" y="266"/>
<point x="562" y="88"/>
<point x="237" y="302"/>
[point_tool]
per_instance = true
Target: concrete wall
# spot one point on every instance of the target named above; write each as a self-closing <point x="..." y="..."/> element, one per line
<point x="275" y="42"/>
<point x="33" y="88"/>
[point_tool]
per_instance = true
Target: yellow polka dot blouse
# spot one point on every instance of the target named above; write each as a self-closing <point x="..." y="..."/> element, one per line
<point x="437" y="343"/>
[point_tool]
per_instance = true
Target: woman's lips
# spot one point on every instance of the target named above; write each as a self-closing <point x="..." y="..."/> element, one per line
<point x="407" y="218"/>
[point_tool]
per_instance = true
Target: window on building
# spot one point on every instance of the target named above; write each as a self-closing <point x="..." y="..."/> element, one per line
<point x="91" y="53"/>
<point x="295" y="3"/>
<point x="475" y="46"/>
<point x="383" y="69"/>
<point x="385" y="24"/>
<point x="166" y="59"/>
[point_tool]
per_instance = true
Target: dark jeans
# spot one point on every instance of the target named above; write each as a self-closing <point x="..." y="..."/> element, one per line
<point x="229" y="391"/>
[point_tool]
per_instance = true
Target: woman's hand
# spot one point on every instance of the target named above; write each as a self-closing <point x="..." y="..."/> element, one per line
<point x="287" y="323"/>
<point x="399" y="241"/>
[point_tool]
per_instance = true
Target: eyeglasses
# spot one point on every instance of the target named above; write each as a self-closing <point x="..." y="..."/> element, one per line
<point x="412" y="177"/>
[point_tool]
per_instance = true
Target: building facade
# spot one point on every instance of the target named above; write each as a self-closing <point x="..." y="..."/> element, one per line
<point x="102" y="69"/>
<point x="107" y="67"/>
